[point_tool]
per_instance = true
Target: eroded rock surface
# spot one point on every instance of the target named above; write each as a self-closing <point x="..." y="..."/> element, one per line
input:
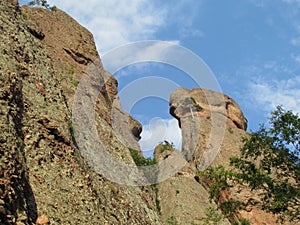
<point x="181" y="198"/>
<point x="43" y="177"/>
<point x="212" y="127"/>
<point x="205" y="118"/>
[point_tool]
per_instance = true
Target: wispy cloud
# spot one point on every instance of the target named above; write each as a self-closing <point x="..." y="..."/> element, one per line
<point x="116" y="22"/>
<point x="183" y="15"/>
<point x="138" y="52"/>
<point x="159" y="130"/>
<point x="269" y="94"/>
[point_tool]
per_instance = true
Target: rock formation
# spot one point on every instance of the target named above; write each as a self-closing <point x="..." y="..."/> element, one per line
<point x="43" y="176"/>
<point x="208" y="121"/>
<point x="197" y="112"/>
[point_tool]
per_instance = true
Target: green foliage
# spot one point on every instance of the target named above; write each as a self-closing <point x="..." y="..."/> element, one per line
<point x="141" y="160"/>
<point x="212" y="216"/>
<point x="25" y="16"/>
<point x="71" y="130"/>
<point x="73" y="80"/>
<point x="53" y="8"/>
<point x="40" y="3"/>
<point x="198" y="107"/>
<point x="157" y="202"/>
<point x="241" y="222"/>
<point x="218" y="178"/>
<point x="166" y="146"/>
<point x="172" y="220"/>
<point x="192" y="101"/>
<point x="269" y="163"/>
<point x="230" y="207"/>
<point x="145" y="165"/>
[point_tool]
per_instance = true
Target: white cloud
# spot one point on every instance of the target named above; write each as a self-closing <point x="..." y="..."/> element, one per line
<point x="114" y="22"/>
<point x="159" y="130"/>
<point x="269" y="94"/>
<point x="139" y="52"/>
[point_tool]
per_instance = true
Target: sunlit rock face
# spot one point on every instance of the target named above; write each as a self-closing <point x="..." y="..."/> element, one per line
<point x="43" y="176"/>
<point x="204" y="102"/>
<point x="212" y="127"/>
<point x="205" y="117"/>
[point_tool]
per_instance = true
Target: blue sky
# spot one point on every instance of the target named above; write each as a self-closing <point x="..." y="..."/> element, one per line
<point x="251" y="46"/>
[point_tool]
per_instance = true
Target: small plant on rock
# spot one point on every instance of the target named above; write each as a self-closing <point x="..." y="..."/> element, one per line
<point x="40" y="3"/>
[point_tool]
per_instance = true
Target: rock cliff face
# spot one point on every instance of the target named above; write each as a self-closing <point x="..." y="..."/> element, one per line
<point x="45" y="179"/>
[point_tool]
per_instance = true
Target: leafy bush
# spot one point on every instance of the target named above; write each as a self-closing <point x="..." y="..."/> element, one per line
<point x="40" y="3"/>
<point x="53" y="8"/>
<point x="166" y="146"/>
<point x="141" y="160"/>
<point x="150" y="173"/>
<point x="25" y="16"/>
<point x="218" y="178"/>
<point x="270" y="164"/>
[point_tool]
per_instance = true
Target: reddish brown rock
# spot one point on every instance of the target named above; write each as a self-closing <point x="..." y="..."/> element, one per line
<point x="42" y="219"/>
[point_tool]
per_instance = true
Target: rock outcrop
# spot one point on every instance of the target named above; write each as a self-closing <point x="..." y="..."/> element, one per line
<point x="181" y="198"/>
<point x="43" y="177"/>
<point x="212" y="127"/>
<point x="208" y="121"/>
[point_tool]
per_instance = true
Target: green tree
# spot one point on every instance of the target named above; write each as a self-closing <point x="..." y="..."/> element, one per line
<point x="40" y="3"/>
<point x="270" y="163"/>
